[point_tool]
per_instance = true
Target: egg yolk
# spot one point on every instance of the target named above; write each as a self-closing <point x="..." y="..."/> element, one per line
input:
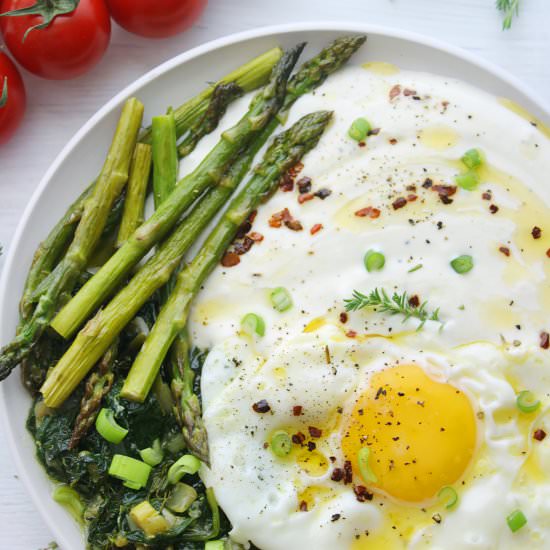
<point x="421" y="433"/>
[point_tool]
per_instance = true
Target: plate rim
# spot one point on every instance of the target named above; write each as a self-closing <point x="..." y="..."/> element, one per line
<point x="322" y="25"/>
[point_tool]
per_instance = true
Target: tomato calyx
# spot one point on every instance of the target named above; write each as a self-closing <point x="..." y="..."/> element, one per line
<point x="4" y="96"/>
<point x="48" y="9"/>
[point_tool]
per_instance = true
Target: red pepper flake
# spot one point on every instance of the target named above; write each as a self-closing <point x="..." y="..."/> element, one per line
<point x="315" y="432"/>
<point x="445" y="105"/>
<point x="374" y="131"/>
<point x="311" y="446"/>
<point x="362" y="494"/>
<point x="243" y="230"/>
<point x="392" y="141"/>
<point x="316" y="228"/>
<point x="414" y="301"/>
<point x="294" y="225"/>
<point x="544" y="341"/>
<point x="539" y="434"/>
<point x="337" y="474"/>
<point x="230" y="259"/>
<point x="323" y="193"/>
<point x="243" y="246"/>
<point x="286" y="183"/>
<point x="411" y="197"/>
<point x="428" y="182"/>
<point x="252" y="216"/>
<point x="536" y="232"/>
<point x="304" y="185"/>
<point x="368" y="212"/>
<point x="351" y="334"/>
<point x="278" y="218"/>
<point x="296" y="169"/>
<point x="395" y="91"/>
<point x="298" y="438"/>
<point x="297" y="410"/>
<point x="266" y="445"/>
<point x="305" y="197"/>
<point x="303" y="506"/>
<point x="398" y="203"/>
<point x="505" y="250"/>
<point x="343" y="317"/>
<point x="348" y="472"/>
<point x="362" y="144"/>
<point x="261" y="406"/>
<point x="548" y="252"/>
<point x="493" y="208"/>
<point x="256" y="237"/>
<point x="487" y="196"/>
<point x="408" y="92"/>
<point x="411" y="187"/>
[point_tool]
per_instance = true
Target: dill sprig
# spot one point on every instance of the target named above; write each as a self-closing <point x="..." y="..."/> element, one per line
<point x="397" y="304"/>
<point x="509" y="8"/>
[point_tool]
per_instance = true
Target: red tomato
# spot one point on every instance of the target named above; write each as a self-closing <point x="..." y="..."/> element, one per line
<point x="156" y="18"/>
<point x="69" y="46"/>
<point x="12" y="98"/>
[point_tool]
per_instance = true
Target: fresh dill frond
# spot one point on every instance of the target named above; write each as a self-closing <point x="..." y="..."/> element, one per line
<point x="398" y="304"/>
<point x="510" y="9"/>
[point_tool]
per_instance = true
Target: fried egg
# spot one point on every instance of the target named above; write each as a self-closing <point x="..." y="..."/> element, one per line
<point x="399" y="433"/>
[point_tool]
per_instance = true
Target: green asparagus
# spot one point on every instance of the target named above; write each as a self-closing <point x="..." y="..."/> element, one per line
<point x="165" y="156"/>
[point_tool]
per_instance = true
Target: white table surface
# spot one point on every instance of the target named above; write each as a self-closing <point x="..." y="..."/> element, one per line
<point x="57" y="110"/>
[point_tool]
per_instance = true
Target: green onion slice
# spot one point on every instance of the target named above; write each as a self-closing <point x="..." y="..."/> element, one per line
<point x="468" y="180"/>
<point x="132" y="472"/>
<point x="363" y="460"/>
<point x="70" y="500"/>
<point x="374" y="261"/>
<point x="281" y="299"/>
<point x="214" y="545"/>
<point x="527" y="402"/>
<point x="359" y="129"/>
<point x="152" y="455"/>
<point x="181" y="497"/>
<point x="472" y="158"/>
<point x="281" y="443"/>
<point x="108" y="428"/>
<point x="516" y="520"/>
<point x="253" y="324"/>
<point x="462" y="264"/>
<point x="449" y="495"/>
<point x="187" y="464"/>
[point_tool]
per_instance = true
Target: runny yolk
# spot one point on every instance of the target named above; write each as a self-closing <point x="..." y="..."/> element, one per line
<point x="421" y="433"/>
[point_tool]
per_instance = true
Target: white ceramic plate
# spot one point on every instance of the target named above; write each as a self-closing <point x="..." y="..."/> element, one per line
<point x="170" y="84"/>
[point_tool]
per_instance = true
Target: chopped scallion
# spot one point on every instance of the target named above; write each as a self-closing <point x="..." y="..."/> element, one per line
<point x="516" y="520"/>
<point x="415" y="268"/>
<point x="181" y="497"/>
<point x="152" y="455"/>
<point x="449" y="496"/>
<point x="374" y="261"/>
<point x="281" y="299"/>
<point x="281" y="443"/>
<point x="363" y="460"/>
<point x="472" y="158"/>
<point x="108" y="428"/>
<point x="253" y="324"/>
<point x="468" y="181"/>
<point x="70" y="500"/>
<point x="132" y="472"/>
<point x="359" y="129"/>
<point x="187" y="464"/>
<point x="527" y="402"/>
<point x="214" y="545"/>
<point x="462" y="264"/>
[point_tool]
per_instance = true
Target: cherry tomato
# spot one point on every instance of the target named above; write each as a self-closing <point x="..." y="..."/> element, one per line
<point x="12" y="98"/>
<point x="70" y="45"/>
<point x="156" y="18"/>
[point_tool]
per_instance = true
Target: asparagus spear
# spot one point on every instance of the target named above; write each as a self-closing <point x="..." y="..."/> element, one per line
<point x="94" y="216"/>
<point x="136" y="192"/>
<point x="97" y="386"/>
<point x="165" y="156"/>
<point x="262" y="108"/>
<point x="249" y="76"/>
<point x="287" y="149"/>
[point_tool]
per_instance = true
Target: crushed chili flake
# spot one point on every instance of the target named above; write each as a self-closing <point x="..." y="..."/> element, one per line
<point x="411" y="197"/>
<point x="395" y="91"/>
<point x="444" y="190"/>
<point x="361" y="493"/>
<point x="323" y="193"/>
<point x="374" y="131"/>
<point x="315" y="432"/>
<point x="297" y="410"/>
<point x="303" y="506"/>
<point x="261" y="406"/>
<point x="286" y="183"/>
<point x="230" y="259"/>
<point x="505" y="250"/>
<point x="539" y="434"/>
<point x="304" y="185"/>
<point x="278" y="218"/>
<point x="408" y="92"/>
<point x="536" y="232"/>
<point x="362" y="144"/>
<point x="368" y="212"/>
<point x="544" y="341"/>
<point x="414" y="301"/>
<point x="392" y="141"/>
<point x="348" y="472"/>
<point x="294" y="225"/>
<point x="411" y="187"/>
<point x="252" y="216"/>
<point x="256" y="237"/>
<point x="493" y="208"/>
<point x="399" y="203"/>
<point x="351" y="334"/>
<point x="343" y="317"/>
<point x="296" y="169"/>
<point x="243" y="229"/>
<point x="316" y="228"/>
<point x="243" y="246"/>
<point x="311" y="446"/>
<point x="305" y="197"/>
<point x="428" y="182"/>
<point x="298" y="438"/>
<point x="487" y="196"/>
<point x="445" y="105"/>
<point x="548" y="252"/>
<point x="337" y="474"/>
